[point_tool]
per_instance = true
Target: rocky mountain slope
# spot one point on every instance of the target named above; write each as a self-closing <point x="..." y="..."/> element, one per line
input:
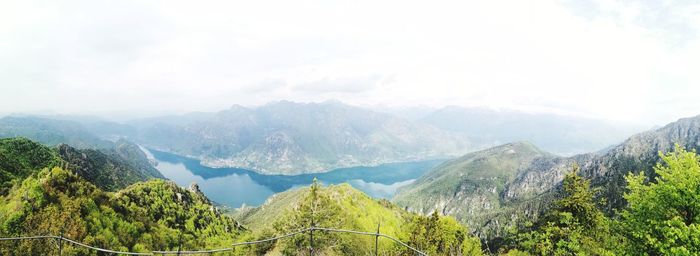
<point x="493" y="189"/>
<point x="293" y="138"/>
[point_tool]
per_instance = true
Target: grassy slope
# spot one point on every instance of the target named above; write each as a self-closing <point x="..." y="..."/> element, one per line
<point x="364" y="211"/>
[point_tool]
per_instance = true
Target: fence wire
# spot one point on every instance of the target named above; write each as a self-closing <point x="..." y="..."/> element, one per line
<point x="302" y="231"/>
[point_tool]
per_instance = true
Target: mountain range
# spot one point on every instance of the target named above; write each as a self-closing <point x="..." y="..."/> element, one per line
<point x="90" y="197"/>
<point x="294" y="138"/>
<point x="558" y="134"/>
<point x="495" y="189"/>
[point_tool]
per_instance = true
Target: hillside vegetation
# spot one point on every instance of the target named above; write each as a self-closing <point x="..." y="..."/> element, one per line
<point x="21" y="157"/>
<point x="47" y="194"/>
<point x="496" y="189"/>
<point x="343" y="207"/>
<point x="155" y="215"/>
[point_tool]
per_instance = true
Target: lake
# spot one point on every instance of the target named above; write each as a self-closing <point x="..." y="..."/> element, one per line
<point x="235" y="187"/>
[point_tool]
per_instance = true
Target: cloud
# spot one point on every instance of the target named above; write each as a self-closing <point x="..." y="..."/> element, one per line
<point x="600" y="58"/>
<point x="341" y="84"/>
<point x="674" y="21"/>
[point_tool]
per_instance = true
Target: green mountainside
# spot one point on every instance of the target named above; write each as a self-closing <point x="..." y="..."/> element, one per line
<point x="86" y="150"/>
<point x="107" y="169"/>
<point x="110" y="169"/>
<point x="154" y="215"/>
<point x="365" y="212"/>
<point x="79" y="194"/>
<point x="470" y="187"/>
<point x="496" y="189"/>
<point x="20" y="158"/>
<point x="344" y="207"/>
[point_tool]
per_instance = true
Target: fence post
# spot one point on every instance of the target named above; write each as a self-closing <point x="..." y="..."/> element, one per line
<point x="179" y="243"/>
<point x="60" y="244"/>
<point x="311" y="234"/>
<point x="376" y="241"/>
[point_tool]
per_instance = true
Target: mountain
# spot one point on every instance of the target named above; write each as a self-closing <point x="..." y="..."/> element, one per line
<point x="564" y="135"/>
<point x="50" y="195"/>
<point x="343" y="207"/>
<point x="50" y="131"/>
<point x="366" y="210"/>
<point x="20" y="158"/>
<point x="470" y="187"/>
<point x="107" y="169"/>
<point x="293" y="138"/>
<point x="154" y="215"/>
<point x="129" y="161"/>
<point x="494" y="189"/>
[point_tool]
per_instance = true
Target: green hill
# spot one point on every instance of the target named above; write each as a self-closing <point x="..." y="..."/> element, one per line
<point x="154" y="215"/>
<point x="469" y="187"/>
<point x="19" y="158"/>
<point x="344" y="207"/>
<point x="108" y="169"/>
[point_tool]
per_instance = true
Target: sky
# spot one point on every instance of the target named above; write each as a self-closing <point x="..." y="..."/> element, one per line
<point x="632" y="60"/>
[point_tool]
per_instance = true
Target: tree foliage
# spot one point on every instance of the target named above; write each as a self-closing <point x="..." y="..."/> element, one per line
<point x="316" y="210"/>
<point x="663" y="217"/>
<point x="575" y="226"/>
<point x="155" y="215"/>
<point x="439" y="235"/>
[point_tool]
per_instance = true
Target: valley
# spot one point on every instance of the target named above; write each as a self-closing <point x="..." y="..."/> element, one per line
<point x="235" y="187"/>
<point x="490" y="192"/>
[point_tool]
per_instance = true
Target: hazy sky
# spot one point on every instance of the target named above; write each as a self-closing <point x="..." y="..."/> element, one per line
<point x="623" y="60"/>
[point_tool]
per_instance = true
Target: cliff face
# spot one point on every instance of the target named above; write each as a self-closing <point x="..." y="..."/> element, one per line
<point x="520" y="182"/>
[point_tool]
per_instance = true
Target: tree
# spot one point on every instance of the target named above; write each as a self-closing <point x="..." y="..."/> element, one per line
<point x="663" y="217"/>
<point x="436" y="235"/>
<point x="575" y="226"/>
<point x="317" y="209"/>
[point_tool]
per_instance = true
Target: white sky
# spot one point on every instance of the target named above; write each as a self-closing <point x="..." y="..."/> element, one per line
<point x="622" y="60"/>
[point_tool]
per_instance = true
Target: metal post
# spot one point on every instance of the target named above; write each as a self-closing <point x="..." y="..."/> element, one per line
<point x="376" y="241"/>
<point x="60" y="245"/>
<point x="179" y="243"/>
<point x="311" y="232"/>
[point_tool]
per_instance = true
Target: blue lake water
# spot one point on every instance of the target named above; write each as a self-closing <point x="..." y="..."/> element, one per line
<point x="235" y="187"/>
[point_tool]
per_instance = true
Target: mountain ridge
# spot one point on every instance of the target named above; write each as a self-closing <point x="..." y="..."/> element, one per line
<point x="292" y="138"/>
<point x="537" y="181"/>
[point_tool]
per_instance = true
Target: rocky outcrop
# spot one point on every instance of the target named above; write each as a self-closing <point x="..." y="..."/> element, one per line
<point x="490" y="198"/>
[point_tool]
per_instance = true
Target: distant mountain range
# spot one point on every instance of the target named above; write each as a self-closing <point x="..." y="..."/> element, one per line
<point x="293" y="138"/>
<point x="494" y="189"/>
<point x="558" y="134"/>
